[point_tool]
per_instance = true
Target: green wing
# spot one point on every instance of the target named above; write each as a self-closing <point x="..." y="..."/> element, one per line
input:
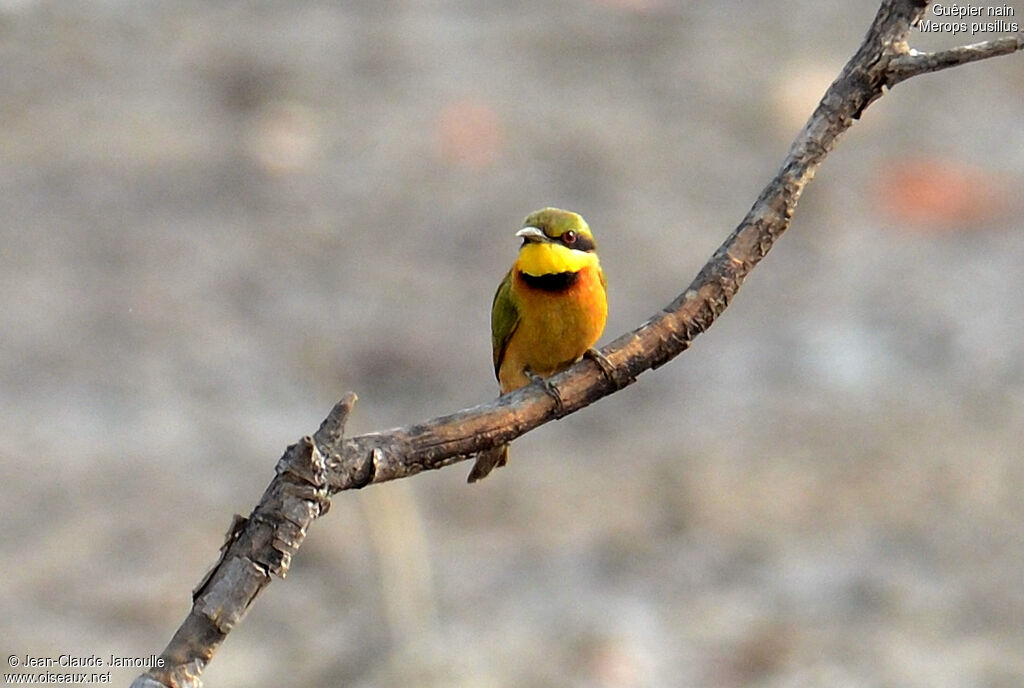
<point x="504" y="320"/>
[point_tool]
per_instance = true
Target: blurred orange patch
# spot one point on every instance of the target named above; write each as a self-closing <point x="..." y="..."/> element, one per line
<point x="469" y="134"/>
<point x="934" y="194"/>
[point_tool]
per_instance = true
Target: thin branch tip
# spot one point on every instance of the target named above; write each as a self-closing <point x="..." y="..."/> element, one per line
<point x="914" y="63"/>
<point x="333" y="427"/>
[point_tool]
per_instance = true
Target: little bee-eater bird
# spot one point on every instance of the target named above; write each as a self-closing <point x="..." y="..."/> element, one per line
<point x="548" y="311"/>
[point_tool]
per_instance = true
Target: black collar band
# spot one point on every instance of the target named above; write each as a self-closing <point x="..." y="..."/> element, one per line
<point x="555" y="281"/>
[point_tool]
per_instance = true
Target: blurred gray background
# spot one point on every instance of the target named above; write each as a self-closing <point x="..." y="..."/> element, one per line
<point x="219" y="217"/>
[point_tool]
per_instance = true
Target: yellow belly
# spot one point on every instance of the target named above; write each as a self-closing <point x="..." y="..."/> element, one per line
<point x="555" y="328"/>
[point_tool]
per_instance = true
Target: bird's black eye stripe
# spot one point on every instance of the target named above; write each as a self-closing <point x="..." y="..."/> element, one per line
<point x="583" y="243"/>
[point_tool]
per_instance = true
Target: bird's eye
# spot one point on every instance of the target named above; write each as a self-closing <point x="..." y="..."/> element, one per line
<point x="569" y="238"/>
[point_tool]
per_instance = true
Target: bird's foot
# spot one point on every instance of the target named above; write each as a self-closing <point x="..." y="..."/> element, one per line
<point x="619" y="378"/>
<point x="550" y="390"/>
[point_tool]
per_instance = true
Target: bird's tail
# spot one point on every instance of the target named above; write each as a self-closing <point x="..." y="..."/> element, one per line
<point x="487" y="461"/>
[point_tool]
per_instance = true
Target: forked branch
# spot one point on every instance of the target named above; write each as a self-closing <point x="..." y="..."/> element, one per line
<point x="327" y="462"/>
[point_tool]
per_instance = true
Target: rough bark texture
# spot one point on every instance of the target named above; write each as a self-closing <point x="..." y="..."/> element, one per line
<point x="254" y="549"/>
<point x="264" y="543"/>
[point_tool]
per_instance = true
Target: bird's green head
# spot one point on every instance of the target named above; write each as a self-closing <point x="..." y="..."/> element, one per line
<point x="560" y="227"/>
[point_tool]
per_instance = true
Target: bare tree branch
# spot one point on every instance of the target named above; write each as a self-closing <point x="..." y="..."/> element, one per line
<point x="254" y="548"/>
<point x="913" y="63"/>
<point x="883" y="60"/>
<point x="264" y="543"/>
